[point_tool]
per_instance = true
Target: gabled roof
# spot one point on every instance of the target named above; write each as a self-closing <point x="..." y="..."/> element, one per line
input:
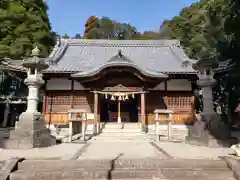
<point x="87" y="57"/>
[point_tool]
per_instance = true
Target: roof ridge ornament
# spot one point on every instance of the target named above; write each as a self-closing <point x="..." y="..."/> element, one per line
<point x="35" y="51"/>
<point x="120" y="53"/>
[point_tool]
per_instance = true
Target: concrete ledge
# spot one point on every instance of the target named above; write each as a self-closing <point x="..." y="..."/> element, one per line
<point x="234" y="165"/>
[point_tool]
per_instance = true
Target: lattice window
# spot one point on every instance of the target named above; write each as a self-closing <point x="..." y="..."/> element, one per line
<point x="58" y="103"/>
<point x="179" y="102"/>
<point x="60" y="100"/>
<point x="83" y="100"/>
<point x="79" y="100"/>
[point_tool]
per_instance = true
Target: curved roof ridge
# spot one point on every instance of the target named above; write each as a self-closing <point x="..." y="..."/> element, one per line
<point x="124" y="43"/>
<point x="58" y="51"/>
<point x="117" y="64"/>
<point x="178" y="52"/>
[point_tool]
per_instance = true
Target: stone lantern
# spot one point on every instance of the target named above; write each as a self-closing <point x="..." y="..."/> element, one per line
<point x="31" y="131"/>
<point x="209" y="129"/>
<point x="206" y="82"/>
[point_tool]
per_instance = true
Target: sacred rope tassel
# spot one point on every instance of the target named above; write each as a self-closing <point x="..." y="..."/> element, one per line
<point x="133" y="96"/>
<point x="126" y="97"/>
<point x="112" y="98"/>
<point x="119" y="98"/>
<point x="106" y="96"/>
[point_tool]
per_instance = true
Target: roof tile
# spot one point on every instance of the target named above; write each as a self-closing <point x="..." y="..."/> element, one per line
<point x="87" y="56"/>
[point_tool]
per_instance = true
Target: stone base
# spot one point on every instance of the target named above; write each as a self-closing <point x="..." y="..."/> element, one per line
<point x="144" y="128"/>
<point x="212" y="134"/>
<point x="209" y="141"/>
<point x="30" y="133"/>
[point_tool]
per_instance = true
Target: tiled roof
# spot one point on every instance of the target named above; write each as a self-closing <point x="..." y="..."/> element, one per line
<point x="224" y="66"/>
<point x="88" y="57"/>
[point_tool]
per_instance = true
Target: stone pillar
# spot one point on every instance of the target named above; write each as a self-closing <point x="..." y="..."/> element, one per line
<point x="209" y="129"/>
<point x="31" y="131"/>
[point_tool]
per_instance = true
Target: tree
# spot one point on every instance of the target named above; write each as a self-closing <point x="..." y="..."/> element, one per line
<point x="149" y="35"/>
<point x="165" y="30"/>
<point x="65" y="36"/>
<point x="24" y="24"/>
<point x="78" y="36"/>
<point x="91" y="27"/>
<point x="105" y="28"/>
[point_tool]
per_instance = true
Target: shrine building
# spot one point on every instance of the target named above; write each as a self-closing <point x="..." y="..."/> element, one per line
<point x="119" y="81"/>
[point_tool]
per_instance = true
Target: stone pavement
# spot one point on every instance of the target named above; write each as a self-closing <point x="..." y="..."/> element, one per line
<point x="126" y="149"/>
<point x="61" y="151"/>
<point x="187" y="151"/>
<point x="146" y="149"/>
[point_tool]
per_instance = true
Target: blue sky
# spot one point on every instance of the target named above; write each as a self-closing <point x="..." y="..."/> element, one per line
<point x="69" y="16"/>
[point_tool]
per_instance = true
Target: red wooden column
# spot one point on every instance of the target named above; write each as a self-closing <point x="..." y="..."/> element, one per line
<point x="143" y="111"/>
<point x="96" y="123"/>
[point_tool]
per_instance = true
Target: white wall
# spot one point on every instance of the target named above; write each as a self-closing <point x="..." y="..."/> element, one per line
<point x="160" y="86"/>
<point x="65" y="84"/>
<point x="175" y="85"/>
<point x="62" y="84"/>
<point x="179" y="85"/>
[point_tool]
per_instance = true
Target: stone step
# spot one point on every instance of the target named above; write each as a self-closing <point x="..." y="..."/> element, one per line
<point x="170" y="174"/>
<point x="58" y="165"/>
<point x="116" y="138"/>
<point x="120" y="126"/>
<point x="121" y="134"/>
<point x="111" y="130"/>
<point x="120" y="140"/>
<point x="131" y="126"/>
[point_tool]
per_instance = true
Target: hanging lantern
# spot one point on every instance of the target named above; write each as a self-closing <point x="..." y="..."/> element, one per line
<point x="126" y="97"/>
<point x="133" y="96"/>
<point x="106" y="96"/>
<point x="112" y="98"/>
<point x="120" y="98"/>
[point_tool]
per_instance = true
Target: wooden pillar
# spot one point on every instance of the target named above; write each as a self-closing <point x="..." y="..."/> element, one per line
<point x="143" y="111"/>
<point x="96" y="122"/>
<point x="44" y="103"/>
<point x="72" y="95"/>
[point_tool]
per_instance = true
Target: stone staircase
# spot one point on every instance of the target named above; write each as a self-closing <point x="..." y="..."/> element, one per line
<point x="115" y="131"/>
<point x="123" y="169"/>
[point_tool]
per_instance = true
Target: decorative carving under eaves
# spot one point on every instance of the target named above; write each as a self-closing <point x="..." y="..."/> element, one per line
<point x="121" y="88"/>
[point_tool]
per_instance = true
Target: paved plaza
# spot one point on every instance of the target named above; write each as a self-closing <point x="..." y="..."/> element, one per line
<point x="123" y="149"/>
